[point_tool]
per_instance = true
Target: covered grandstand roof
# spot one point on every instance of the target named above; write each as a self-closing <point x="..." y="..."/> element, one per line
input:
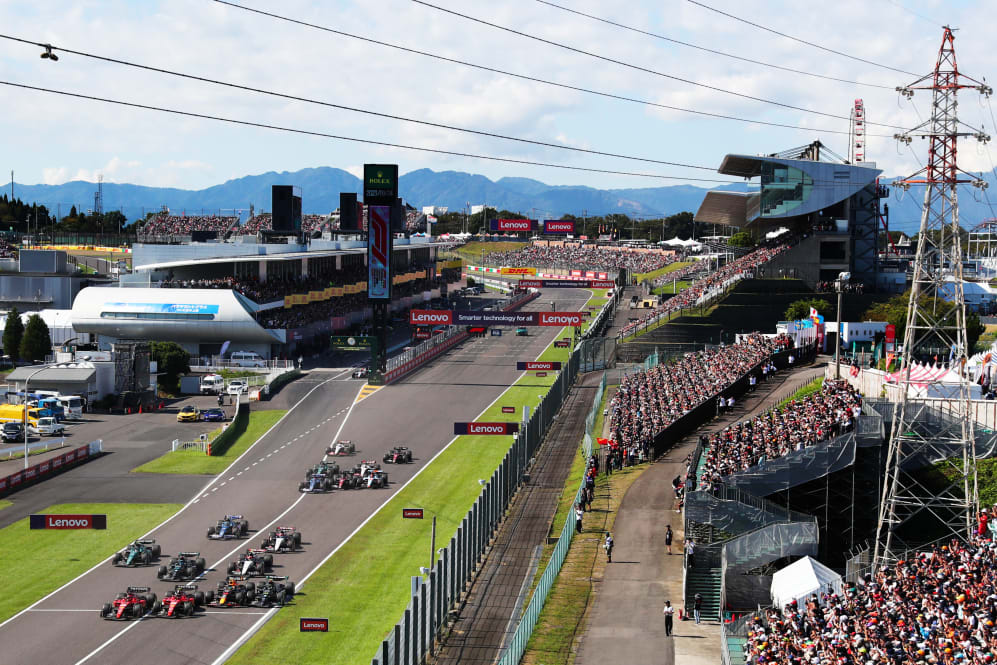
<point x="729" y="208"/>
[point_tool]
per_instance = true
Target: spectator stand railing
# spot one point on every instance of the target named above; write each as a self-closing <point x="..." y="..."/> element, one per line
<point x="443" y="590"/>
<point x="213" y="364"/>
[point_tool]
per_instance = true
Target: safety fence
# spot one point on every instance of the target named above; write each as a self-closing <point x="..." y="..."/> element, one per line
<point x="38" y="446"/>
<point x="201" y="444"/>
<point x="240" y="421"/>
<point x="443" y="590"/>
<point x="50" y="467"/>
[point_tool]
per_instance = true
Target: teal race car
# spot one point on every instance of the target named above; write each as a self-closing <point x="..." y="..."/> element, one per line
<point x="140" y="553"/>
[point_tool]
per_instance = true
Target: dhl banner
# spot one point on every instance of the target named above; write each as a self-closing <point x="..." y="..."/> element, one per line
<point x="316" y="296"/>
<point x="518" y="271"/>
<point x="288" y="302"/>
<point x="327" y="293"/>
<point x="337" y="291"/>
<point x="300" y="298"/>
<point x="456" y="264"/>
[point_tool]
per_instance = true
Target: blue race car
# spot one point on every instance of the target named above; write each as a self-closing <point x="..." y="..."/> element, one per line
<point x="214" y="415"/>
<point x="315" y="483"/>
<point x="230" y="526"/>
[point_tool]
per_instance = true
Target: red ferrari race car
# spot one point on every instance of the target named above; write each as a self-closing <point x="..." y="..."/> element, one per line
<point x="283" y="539"/>
<point x="398" y="455"/>
<point x="183" y="601"/>
<point x="134" y="603"/>
<point x="349" y="480"/>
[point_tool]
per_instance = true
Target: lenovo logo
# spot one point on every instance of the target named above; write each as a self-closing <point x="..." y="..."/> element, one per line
<point x="485" y="428"/>
<point x="430" y="316"/>
<point x="559" y="227"/>
<point x="68" y="521"/>
<point x="560" y="319"/>
<point x="314" y="625"/>
<point x="512" y="225"/>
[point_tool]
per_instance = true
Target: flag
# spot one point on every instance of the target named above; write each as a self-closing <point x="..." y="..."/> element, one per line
<point x="603" y="442"/>
<point x="814" y="313"/>
<point x="854" y="371"/>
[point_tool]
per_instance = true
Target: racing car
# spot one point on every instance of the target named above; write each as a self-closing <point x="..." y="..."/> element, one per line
<point x="181" y="602"/>
<point x="326" y="466"/>
<point x="283" y="539"/>
<point x="341" y="448"/>
<point x="349" y="480"/>
<point x="233" y="590"/>
<point x="134" y="603"/>
<point x="375" y="479"/>
<point x="360" y="373"/>
<point x="316" y="483"/>
<point x="139" y="553"/>
<point x="366" y="466"/>
<point x="230" y="526"/>
<point x="252" y="563"/>
<point x="398" y="455"/>
<point x="275" y="591"/>
<point x="184" y="566"/>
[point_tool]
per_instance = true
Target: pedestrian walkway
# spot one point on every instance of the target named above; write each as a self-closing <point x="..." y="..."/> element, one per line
<point x="498" y="593"/>
<point x="626" y="624"/>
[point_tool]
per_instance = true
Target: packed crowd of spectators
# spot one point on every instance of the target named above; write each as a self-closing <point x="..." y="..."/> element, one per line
<point x="7" y="250"/>
<point x="255" y="224"/>
<point x="581" y="257"/>
<point x="796" y="425"/>
<point x="689" y="296"/>
<point x="173" y="225"/>
<point x="937" y="608"/>
<point x="647" y="402"/>
<point x="682" y="274"/>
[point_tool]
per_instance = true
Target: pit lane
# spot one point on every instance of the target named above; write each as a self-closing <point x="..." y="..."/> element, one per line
<point x="262" y="485"/>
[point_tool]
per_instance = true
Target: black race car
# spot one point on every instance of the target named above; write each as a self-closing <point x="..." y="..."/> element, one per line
<point x="230" y="526"/>
<point x="252" y="563"/>
<point x="182" y="567"/>
<point x="139" y="553"/>
<point x="316" y="483"/>
<point x="326" y="466"/>
<point x="233" y="590"/>
<point x="134" y="603"/>
<point x="398" y="455"/>
<point x="273" y="592"/>
<point x="283" y="539"/>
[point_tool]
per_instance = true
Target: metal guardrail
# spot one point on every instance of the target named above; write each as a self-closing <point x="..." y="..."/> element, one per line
<point x="44" y="446"/>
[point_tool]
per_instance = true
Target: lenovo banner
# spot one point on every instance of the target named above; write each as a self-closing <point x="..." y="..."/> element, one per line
<point x="513" y="225"/>
<point x="314" y="625"/>
<point x="430" y="317"/>
<point x="559" y="319"/>
<point x="566" y="284"/>
<point x="412" y="513"/>
<point x="561" y="345"/>
<point x="379" y="253"/>
<point x="500" y="429"/>
<point x="474" y="317"/>
<point x="68" y="521"/>
<point x="508" y="409"/>
<point x="559" y="226"/>
<point x="537" y="365"/>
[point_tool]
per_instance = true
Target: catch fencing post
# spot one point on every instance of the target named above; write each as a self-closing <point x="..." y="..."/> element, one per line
<point x="407" y="637"/>
<point x="414" y="634"/>
<point x="385" y="653"/>
<point x="422" y="623"/>
<point x="398" y="645"/>
<point x="451" y="572"/>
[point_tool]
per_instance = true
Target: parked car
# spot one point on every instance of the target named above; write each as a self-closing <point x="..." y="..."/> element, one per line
<point x="48" y="427"/>
<point x="188" y="414"/>
<point x="214" y="415"/>
<point x="247" y="359"/>
<point x="12" y="432"/>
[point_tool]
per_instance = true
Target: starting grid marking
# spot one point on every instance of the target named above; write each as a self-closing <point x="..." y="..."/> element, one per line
<point x="366" y="392"/>
<point x="262" y="459"/>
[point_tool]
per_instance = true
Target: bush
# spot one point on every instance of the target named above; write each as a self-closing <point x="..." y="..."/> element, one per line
<point x="741" y="239"/>
<point x="470" y="281"/>
<point x="800" y="309"/>
<point x="173" y="361"/>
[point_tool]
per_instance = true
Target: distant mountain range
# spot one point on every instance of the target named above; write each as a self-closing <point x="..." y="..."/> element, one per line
<point x="320" y="189"/>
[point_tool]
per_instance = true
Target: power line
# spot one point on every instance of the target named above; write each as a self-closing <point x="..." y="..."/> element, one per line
<point x="352" y="139"/>
<point x="710" y="50"/>
<point x="930" y="20"/>
<point x="533" y="79"/>
<point x="641" y="69"/>
<point x="342" y="107"/>
<point x="801" y="41"/>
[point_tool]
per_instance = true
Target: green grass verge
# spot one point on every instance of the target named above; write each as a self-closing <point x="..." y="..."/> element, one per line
<point x="5" y="503"/>
<point x="671" y="267"/>
<point x="809" y="389"/>
<point x="67" y="554"/>
<point x="194" y="461"/>
<point x="673" y="288"/>
<point x="379" y="559"/>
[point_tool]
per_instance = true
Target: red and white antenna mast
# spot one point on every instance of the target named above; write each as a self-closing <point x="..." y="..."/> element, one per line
<point x="856" y="150"/>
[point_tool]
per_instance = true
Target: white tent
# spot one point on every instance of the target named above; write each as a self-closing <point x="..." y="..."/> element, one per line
<point x="799" y="580"/>
<point x="674" y="242"/>
<point x="775" y="234"/>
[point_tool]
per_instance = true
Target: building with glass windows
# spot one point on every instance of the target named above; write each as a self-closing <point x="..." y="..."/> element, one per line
<point x="811" y="192"/>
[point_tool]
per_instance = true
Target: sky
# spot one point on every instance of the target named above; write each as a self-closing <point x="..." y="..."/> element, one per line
<point x="50" y="139"/>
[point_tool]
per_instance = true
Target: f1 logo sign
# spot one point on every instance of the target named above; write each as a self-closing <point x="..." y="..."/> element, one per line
<point x="379" y="257"/>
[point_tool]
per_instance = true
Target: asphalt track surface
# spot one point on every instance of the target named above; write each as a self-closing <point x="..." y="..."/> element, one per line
<point x="262" y="485"/>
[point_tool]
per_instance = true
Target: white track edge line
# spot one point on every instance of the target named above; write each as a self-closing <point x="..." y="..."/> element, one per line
<point x="182" y="508"/>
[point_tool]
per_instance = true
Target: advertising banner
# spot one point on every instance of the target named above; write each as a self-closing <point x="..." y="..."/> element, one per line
<point x="313" y="625"/>
<point x="566" y="284"/>
<point x="517" y="271"/>
<point x="380" y="185"/>
<point x="499" y="429"/>
<point x="537" y="365"/>
<point x="561" y="345"/>
<point x="68" y="521"/>
<point x="508" y="409"/>
<point x="412" y="513"/>
<point x="559" y="226"/>
<point x="300" y="298"/>
<point x="891" y="337"/>
<point x="161" y="308"/>
<point x="513" y="225"/>
<point x="316" y="296"/>
<point x="379" y="253"/>
<point x="425" y="317"/>
<point x="338" y="291"/>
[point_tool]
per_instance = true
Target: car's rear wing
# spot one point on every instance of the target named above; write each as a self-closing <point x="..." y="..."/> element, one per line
<point x="277" y="578"/>
<point x="233" y="517"/>
<point x="189" y="554"/>
<point x="139" y="589"/>
<point x="147" y="541"/>
<point x="185" y="587"/>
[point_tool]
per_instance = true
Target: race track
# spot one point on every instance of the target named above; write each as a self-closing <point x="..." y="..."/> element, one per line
<point x="262" y="485"/>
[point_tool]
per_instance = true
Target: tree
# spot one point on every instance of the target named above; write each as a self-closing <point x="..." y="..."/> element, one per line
<point x="36" y="343"/>
<point x="172" y="361"/>
<point x="800" y="309"/>
<point x="741" y="239"/>
<point x="13" y="331"/>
